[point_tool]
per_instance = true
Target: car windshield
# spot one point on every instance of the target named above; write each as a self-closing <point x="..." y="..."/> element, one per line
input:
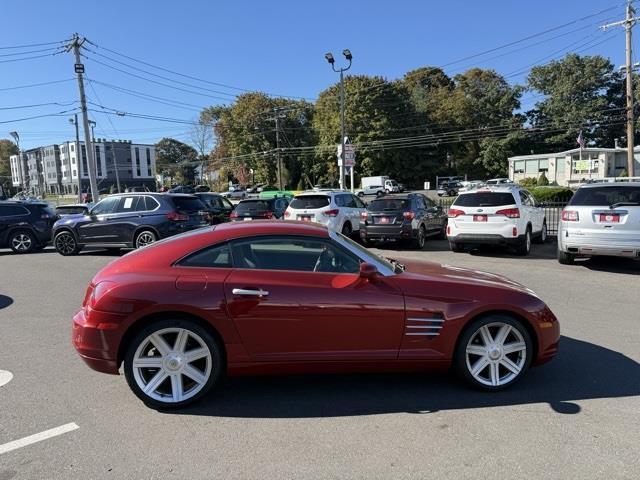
<point x="485" y="199"/>
<point x="387" y="204"/>
<point x="607" y="196"/>
<point x="188" y="204"/>
<point x="310" y="201"/>
<point x="253" y="206"/>
<point x="366" y="253"/>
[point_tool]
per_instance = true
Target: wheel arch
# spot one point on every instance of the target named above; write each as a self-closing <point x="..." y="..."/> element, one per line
<point x="151" y="318"/>
<point x="64" y="229"/>
<point x="142" y="228"/>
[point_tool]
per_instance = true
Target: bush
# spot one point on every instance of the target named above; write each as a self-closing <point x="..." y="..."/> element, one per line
<point x="543" y="181"/>
<point x="552" y="194"/>
<point x="624" y="173"/>
<point x="528" y="182"/>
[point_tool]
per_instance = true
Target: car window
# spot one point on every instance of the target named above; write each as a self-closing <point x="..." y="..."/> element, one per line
<point x="485" y="199"/>
<point x="215" y="256"/>
<point x="606" y="195"/>
<point x="347" y="200"/>
<point x="150" y="203"/>
<point x="293" y="253"/>
<point x="359" y="203"/>
<point x="420" y="203"/>
<point x="12" y="211"/>
<point x="105" y="206"/>
<point x="254" y="206"/>
<point x="524" y="198"/>
<point x="310" y="201"/>
<point x="428" y="202"/>
<point x="129" y="204"/>
<point x="281" y="204"/>
<point x="389" y="204"/>
<point x="187" y="204"/>
<point x="225" y="203"/>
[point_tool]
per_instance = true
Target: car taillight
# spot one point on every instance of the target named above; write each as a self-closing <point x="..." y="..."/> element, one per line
<point x="287" y="213"/>
<point x="409" y="215"/>
<point x="364" y="216"/>
<point x="570" y="216"/>
<point x="268" y="215"/>
<point x="453" y="213"/>
<point x="177" y="217"/>
<point x="233" y="215"/>
<point x="509" y="212"/>
<point x="332" y="213"/>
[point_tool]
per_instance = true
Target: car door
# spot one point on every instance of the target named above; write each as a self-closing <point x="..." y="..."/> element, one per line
<point x="537" y="211"/>
<point x="96" y="228"/>
<point x="530" y="211"/>
<point x="127" y="215"/>
<point x="302" y="299"/>
<point x="435" y="219"/>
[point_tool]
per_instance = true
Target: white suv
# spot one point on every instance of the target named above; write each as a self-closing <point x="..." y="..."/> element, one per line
<point x="503" y="215"/>
<point x="337" y="210"/>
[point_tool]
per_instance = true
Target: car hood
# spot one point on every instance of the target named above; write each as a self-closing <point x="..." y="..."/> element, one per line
<point x="461" y="275"/>
<point x="70" y="219"/>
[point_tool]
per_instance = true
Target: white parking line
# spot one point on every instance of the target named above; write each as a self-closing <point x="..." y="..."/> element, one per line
<point x="5" y="377"/>
<point x="37" y="437"/>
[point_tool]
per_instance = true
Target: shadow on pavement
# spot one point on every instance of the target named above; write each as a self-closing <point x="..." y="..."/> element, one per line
<point x="582" y="371"/>
<point x="611" y="264"/>
<point x="5" y="301"/>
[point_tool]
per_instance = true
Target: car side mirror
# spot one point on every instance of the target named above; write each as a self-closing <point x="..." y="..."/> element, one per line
<point x="368" y="271"/>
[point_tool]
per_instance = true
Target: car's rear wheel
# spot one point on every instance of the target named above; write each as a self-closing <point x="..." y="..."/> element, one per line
<point x="525" y="245"/>
<point x="565" y="258"/>
<point x="456" y="247"/>
<point x="65" y="244"/>
<point x="379" y="193"/>
<point x="172" y="363"/>
<point x="451" y="193"/>
<point x="493" y="352"/>
<point x="145" y="238"/>
<point x="22" y="241"/>
<point x="347" y="230"/>
<point x="420" y="241"/>
<point x="442" y="234"/>
<point x="543" y="234"/>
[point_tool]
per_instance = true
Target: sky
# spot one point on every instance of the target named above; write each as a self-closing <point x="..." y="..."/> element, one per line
<point x="273" y="46"/>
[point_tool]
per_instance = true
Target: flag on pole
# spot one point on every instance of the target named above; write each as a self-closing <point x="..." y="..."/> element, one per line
<point x="581" y="141"/>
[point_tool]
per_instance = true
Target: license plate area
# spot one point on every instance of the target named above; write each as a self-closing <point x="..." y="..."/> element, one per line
<point x="383" y="220"/>
<point x="609" y="218"/>
<point x="304" y="218"/>
<point x="479" y="218"/>
<point x="246" y="219"/>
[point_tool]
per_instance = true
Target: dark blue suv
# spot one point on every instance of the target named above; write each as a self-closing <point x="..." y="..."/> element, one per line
<point x="25" y="226"/>
<point x="129" y="220"/>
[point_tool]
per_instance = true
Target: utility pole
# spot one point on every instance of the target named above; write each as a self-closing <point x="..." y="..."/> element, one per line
<point x="75" y="45"/>
<point x="115" y="164"/>
<point x="74" y="120"/>
<point x="628" y="24"/>
<point x="277" y="115"/>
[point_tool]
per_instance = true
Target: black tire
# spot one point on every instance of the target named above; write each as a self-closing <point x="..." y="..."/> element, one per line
<point x="361" y="194"/>
<point x="144" y="238"/>
<point x="442" y="234"/>
<point x="524" y="248"/>
<point x="471" y="332"/>
<point x="215" y="349"/>
<point x="451" y="193"/>
<point x="456" y="247"/>
<point x="347" y="231"/>
<point x="542" y="237"/>
<point x="66" y="244"/>
<point x="421" y="240"/>
<point x="366" y="242"/>
<point x="387" y="191"/>
<point x="22" y="241"/>
<point x="379" y="193"/>
<point x="565" y="258"/>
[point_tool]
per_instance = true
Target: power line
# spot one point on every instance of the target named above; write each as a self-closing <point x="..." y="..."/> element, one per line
<point x="31" y="58"/>
<point x="18" y="107"/>
<point x="36" y="84"/>
<point x="29" y="52"/>
<point x="57" y="114"/>
<point x="33" y="45"/>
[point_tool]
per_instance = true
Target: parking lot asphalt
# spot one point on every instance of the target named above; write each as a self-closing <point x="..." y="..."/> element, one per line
<point x="576" y="417"/>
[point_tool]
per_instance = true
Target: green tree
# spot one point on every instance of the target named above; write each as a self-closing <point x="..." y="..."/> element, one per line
<point x="543" y="181"/>
<point x="7" y="148"/>
<point x="580" y="93"/>
<point x="176" y="160"/>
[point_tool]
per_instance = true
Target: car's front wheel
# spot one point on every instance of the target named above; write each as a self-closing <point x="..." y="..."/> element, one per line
<point x="172" y="363"/>
<point x="22" y="241"/>
<point x="65" y="243"/>
<point x="494" y="352"/>
<point x="542" y="238"/>
<point x="145" y="238"/>
<point x="420" y="241"/>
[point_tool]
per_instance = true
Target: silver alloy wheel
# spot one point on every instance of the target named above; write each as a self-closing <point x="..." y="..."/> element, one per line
<point x="21" y="242"/>
<point x="172" y="365"/>
<point x="144" y="239"/>
<point x="543" y="234"/>
<point x="65" y="243"/>
<point x="496" y="354"/>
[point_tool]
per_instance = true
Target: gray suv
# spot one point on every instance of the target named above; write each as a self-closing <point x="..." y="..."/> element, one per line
<point x="601" y="219"/>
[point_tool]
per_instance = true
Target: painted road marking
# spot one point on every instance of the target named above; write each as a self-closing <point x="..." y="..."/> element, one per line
<point x="38" y="437"/>
<point x="5" y="377"/>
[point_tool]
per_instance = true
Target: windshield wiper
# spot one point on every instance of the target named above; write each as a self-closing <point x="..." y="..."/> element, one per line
<point x="623" y="204"/>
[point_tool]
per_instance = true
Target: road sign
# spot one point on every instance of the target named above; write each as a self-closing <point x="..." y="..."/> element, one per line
<point x="79" y="67"/>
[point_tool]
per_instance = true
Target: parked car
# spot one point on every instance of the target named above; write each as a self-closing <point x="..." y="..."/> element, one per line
<point x="376" y="190"/>
<point x="338" y="210"/>
<point x="142" y="188"/>
<point x="260" y="209"/>
<point x="267" y="298"/>
<point x="254" y="188"/>
<point x="498" y="181"/>
<point x="601" y="219"/>
<point x="505" y="215"/>
<point x="72" y="209"/>
<point x="412" y="217"/>
<point x="449" y="189"/>
<point x="202" y="189"/>
<point x="182" y="189"/>
<point x="218" y="208"/>
<point x="25" y="226"/>
<point x="129" y="220"/>
<point x="235" y="194"/>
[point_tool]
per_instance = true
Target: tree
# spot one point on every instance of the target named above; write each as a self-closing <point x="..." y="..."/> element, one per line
<point x="202" y="141"/>
<point x="543" y="181"/>
<point x="581" y="93"/>
<point x="7" y="148"/>
<point x="176" y="160"/>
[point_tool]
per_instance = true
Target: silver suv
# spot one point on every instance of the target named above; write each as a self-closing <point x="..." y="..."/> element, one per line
<point x="601" y="219"/>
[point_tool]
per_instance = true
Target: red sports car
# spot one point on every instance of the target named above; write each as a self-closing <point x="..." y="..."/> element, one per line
<point x="280" y="297"/>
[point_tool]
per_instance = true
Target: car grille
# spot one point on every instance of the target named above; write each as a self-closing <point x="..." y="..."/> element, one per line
<point x="424" y="327"/>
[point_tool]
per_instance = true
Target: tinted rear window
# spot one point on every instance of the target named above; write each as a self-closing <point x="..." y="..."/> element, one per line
<point x="606" y="195"/>
<point x="485" y="199"/>
<point x="310" y="201"/>
<point x="388" y="204"/>
<point x="187" y="204"/>
<point x="253" y="206"/>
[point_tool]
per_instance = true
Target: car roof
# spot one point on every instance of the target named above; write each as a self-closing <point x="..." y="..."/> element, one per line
<point x="38" y="203"/>
<point x="609" y="184"/>
<point x="396" y="197"/>
<point x="504" y="188"/>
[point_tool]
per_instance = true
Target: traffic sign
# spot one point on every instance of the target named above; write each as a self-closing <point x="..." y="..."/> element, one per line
<point x="79" y="67"/>
<point x="349" y="155"/>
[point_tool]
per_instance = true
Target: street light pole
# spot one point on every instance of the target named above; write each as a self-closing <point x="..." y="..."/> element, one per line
<point x="347" y="54"/>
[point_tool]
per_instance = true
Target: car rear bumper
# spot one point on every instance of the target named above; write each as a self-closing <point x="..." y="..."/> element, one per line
<point x="485" y="239"/>
<point x="586" y="245"/>
<point x="384" y="232"/>
<point x="96" y="341"/>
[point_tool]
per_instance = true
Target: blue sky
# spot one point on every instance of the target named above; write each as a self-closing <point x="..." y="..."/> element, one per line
<point x="272" y="46"/>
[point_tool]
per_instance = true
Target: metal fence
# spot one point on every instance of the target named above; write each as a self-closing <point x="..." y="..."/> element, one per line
<point x="552" y="212"/>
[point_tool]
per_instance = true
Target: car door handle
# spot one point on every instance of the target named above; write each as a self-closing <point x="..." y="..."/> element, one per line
<point x="252" y="293"/>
